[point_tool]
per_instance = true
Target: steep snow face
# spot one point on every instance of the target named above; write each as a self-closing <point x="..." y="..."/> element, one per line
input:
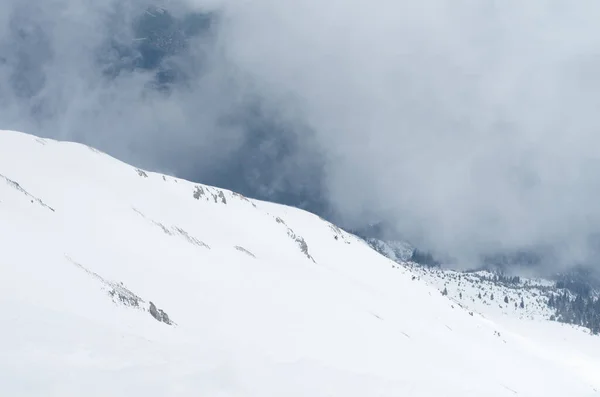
<point x="117" y="281"/>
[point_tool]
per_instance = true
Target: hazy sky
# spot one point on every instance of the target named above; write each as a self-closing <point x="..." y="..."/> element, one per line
<point x="469" y="125"/>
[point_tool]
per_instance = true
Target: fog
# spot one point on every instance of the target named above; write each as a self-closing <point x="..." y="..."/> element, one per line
<point x="468" y="126"/>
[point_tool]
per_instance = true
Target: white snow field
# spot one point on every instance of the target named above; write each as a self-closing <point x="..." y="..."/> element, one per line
<point x="263" y="299"/>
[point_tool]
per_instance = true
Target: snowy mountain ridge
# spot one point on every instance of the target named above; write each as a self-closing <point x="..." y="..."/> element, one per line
<point x="118" y="281"/>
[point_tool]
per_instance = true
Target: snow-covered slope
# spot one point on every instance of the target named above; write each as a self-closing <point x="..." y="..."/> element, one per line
<point x="248" y="298"/>
<point x="481" y="292"/>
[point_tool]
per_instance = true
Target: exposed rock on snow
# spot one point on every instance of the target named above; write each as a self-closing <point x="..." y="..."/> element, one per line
<point x="159" y="314"/>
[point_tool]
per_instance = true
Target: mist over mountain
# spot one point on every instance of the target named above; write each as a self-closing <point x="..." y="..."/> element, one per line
<point x="468" y="129"/>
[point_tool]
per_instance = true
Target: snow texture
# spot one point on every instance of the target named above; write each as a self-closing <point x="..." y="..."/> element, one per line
<point x="262" y="299"/>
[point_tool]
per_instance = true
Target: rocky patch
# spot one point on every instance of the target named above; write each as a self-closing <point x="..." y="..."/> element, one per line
<point x="244" y="250"/>
<point x="298" y="239"/>
<point x="18" y="187"/>
<point x="199" y="192"/>
<point x="123" y="296"/>
<point x="159" y="314"/>
<point x="243" y="198"/>
<point x="174" y="231"/>
<point x="338" y="234"/>
<point x="207" y="194"/>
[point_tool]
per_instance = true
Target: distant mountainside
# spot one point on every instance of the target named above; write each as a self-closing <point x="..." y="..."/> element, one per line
<point x="159" y="38"/>
<point x="571" y="296"/>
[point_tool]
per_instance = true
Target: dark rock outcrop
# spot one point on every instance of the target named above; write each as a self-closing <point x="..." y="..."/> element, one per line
<point x="159" y="315"/>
